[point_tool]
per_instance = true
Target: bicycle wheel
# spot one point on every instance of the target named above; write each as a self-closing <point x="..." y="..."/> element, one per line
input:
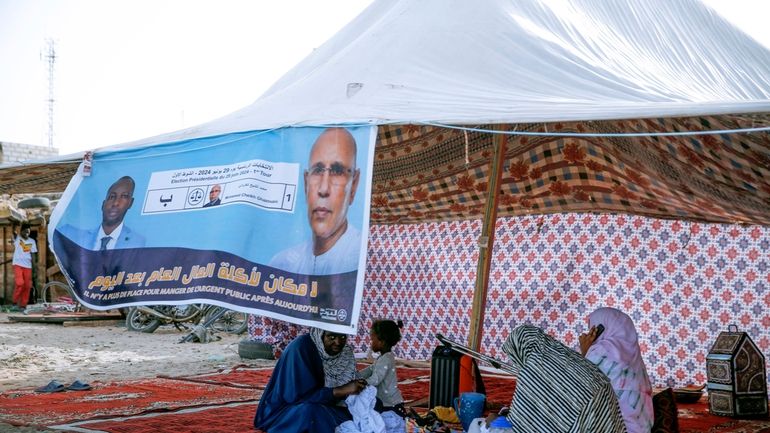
<point x="56" y="291"/>
<point x="232" y="322"/>
<point x="139" y="321"/>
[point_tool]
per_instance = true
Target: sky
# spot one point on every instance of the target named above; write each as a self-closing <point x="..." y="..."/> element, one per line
<point x="127" y="70"/>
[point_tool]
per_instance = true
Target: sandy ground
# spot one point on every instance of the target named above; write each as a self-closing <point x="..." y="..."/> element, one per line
<point x="33" y="354"/>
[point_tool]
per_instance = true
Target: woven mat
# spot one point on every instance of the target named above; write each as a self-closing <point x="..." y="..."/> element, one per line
<point x="231" y="418"/>
<point x="225" y="402"/>
<point x="238" y="417"/>
<point x="695" y="418"/>
<point x="240" y="376"/>
<point x="28" y="408"/>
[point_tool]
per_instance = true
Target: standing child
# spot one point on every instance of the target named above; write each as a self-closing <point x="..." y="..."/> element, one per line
<point x="382" y="374"/>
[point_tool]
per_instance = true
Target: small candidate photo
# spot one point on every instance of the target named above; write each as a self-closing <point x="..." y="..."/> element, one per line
<point x="214" y="193"/>
<point x="112" y="233"/>
<point x="330" y="181"/>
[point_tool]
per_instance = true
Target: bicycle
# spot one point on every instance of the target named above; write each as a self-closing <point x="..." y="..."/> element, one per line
<point x="56" y="292"/>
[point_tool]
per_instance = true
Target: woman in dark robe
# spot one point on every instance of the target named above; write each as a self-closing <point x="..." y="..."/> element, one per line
<point x="315" y="372"/>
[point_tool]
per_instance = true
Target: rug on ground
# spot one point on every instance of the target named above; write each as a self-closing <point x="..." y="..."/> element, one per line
<point x="225" y="402"/>
<point x="238" y="417"/>
<point x="695" y="418"/>
<point x="229" y="418"/>
<point x="28" y="408"/>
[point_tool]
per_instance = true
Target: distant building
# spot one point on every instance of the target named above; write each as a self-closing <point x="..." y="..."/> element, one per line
<point x="17" y="152"/>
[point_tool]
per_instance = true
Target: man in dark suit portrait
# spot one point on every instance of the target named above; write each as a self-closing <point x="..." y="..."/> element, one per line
<point x="112" y="233"/>
<point x="214" y="199"/>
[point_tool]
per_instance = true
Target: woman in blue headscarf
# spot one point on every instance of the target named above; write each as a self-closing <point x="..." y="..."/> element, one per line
<point x="315" y="372"/>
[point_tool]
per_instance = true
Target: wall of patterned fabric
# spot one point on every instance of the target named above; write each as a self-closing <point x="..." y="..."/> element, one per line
<point x="682" y="283"/>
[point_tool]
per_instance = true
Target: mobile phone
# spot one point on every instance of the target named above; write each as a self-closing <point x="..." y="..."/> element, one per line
<point x="599" y="330"/>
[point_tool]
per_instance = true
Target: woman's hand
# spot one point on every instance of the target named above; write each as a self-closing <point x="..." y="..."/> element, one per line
<point x="493" y="416"/>
<point x="586" y="340"/>
<point x="352" y="387"/>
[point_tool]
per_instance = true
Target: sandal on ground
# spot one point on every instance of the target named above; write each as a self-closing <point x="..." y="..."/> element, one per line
<point x="79" y="386"/>
<point x="53" y="386"/>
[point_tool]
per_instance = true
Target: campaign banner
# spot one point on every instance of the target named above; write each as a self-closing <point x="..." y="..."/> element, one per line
<point x="273" y="223"/>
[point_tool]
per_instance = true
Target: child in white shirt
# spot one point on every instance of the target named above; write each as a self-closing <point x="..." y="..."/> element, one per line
<point x="382" y="374"/>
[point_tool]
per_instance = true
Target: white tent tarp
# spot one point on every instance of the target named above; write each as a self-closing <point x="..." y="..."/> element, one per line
<point x="505" y="61"/>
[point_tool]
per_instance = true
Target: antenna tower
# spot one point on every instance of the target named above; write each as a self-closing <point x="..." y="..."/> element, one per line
<point x="51" y="57"/>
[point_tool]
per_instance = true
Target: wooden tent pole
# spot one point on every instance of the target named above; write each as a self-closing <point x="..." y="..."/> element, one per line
<point x="486" y="242"/>
<point x="42" y="257"/>
<point x="6" y="279"/>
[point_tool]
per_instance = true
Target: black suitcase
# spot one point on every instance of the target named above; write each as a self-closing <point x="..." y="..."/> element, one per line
<point x="444" y="376"/>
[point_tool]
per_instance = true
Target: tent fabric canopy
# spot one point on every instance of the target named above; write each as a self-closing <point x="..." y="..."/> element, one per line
<point x="427" y="174"/>
<point x="581" y="66"/>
